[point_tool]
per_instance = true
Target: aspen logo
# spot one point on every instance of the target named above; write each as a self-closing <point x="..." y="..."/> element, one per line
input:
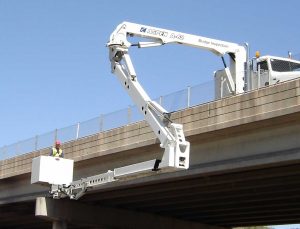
<point x="154" y="32"/>
<point x="143" y="30"/>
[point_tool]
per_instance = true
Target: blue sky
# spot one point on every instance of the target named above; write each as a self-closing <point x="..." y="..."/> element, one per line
<point x="54" y="66"/>
<point x="291" y="226"/>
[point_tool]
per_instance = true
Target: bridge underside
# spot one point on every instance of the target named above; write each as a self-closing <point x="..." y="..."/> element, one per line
<point x="265" y="196"/>
<point x="262" y="197"/>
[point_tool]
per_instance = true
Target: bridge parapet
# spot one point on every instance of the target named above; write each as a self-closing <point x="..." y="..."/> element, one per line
<point x="242" y="111"/>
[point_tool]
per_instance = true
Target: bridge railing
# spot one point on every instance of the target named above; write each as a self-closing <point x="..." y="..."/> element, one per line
<point x="182" y="99"/>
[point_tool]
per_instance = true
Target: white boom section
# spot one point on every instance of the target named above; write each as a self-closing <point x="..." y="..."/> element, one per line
<point x="171" y="136"/>
<point x="119" y="45"/>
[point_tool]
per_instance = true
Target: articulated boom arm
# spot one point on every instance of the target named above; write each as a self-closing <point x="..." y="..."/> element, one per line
<point x="171" y="136"/>
<point x="119" y="43"/>
<point x="176" y="148"/>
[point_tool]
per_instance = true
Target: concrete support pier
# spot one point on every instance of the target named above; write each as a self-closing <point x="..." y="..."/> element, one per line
<point x="59" y="225"/>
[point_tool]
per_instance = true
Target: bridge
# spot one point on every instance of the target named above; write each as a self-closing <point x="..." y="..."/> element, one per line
<point x="244" y="170"/>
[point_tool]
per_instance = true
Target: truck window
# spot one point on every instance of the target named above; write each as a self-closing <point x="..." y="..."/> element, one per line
<point x="284" y="66"/>
<point x="263" y="65"/>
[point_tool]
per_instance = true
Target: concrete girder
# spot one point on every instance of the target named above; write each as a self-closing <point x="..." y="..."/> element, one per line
<point x="64" y="211"/>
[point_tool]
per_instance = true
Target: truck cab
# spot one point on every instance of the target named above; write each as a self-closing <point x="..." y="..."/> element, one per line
<point x="269" y="70"/>
<point x="263" y="71"/>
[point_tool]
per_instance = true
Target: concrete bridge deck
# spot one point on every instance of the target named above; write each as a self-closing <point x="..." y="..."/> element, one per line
<point x="244" y="169"/>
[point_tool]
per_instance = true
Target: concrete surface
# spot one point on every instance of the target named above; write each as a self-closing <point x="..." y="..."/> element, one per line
<point x="254" y="137"/>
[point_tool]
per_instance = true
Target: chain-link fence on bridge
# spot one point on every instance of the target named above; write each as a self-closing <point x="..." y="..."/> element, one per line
<point x="188" y="97"/>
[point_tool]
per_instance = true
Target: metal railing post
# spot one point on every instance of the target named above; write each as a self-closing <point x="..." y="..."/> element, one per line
<point x="55" y="135"/>
<point x="17" y="148"/>
<point x="4" y="152"/>
<point x="188" y="96"/>
<point x="101" y="123"/>
<point x="36" y="142"/>
<point x="258" y="77"/>
<point x="129" y="115"/>
<point x="160" y="100"/>
<point x="77" y="130"/>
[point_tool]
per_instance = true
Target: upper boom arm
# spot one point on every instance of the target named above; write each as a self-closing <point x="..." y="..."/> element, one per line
<point x="163" y="36"/>
<point x="158" y="36"/>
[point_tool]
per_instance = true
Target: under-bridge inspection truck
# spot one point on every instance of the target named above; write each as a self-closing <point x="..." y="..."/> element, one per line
<point x="238" y="76"/>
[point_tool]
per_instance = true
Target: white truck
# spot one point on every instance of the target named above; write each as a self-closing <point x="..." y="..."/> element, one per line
<point x="268" y="70"/>
<point x="241" y="74"/>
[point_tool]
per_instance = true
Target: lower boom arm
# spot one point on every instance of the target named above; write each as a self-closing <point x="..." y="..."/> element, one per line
<point x="171" y="136"/>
